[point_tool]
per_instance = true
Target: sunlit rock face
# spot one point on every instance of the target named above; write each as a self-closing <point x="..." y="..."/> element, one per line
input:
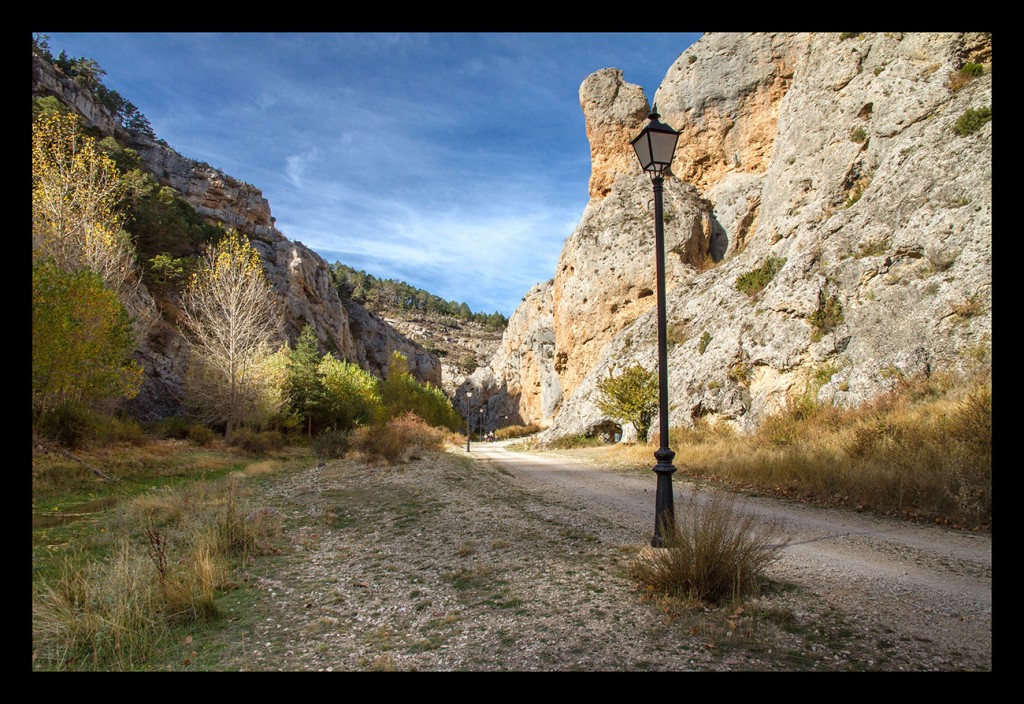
<point x="834" y="157"/>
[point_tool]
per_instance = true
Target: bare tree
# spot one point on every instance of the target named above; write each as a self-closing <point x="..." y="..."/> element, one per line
<point x="233" y="321"/>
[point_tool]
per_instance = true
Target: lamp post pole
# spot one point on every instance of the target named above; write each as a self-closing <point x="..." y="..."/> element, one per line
<point x="664" y="506"/>
<point x="469" y="395"/>
<point x="655" y="147"/>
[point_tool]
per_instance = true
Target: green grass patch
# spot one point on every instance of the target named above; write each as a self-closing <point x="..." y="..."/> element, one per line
<point x="754" y="281"/>
<point x="972" y="120"/>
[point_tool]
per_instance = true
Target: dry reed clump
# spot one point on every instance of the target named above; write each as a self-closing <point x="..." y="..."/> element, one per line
<point x="715" y="552"/>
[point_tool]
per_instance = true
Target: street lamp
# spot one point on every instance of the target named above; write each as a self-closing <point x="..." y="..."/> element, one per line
<point x="655" y="147"/>
<point x="469" y="395"/>
<point x="480" y="425"/>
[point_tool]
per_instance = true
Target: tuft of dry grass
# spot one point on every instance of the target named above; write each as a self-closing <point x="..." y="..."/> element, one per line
<point x="715" y="552"/>
<point x="97" y="615"/>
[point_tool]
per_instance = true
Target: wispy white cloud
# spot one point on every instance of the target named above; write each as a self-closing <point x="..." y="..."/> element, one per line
<point x="456" y="162"/>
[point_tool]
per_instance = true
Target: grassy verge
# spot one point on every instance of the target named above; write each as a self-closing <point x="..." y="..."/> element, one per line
<point x="923" y="452"/>
<point x="125" y="573"/>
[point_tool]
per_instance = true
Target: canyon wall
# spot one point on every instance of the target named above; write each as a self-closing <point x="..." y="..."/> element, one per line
<point x="835" y="159"/>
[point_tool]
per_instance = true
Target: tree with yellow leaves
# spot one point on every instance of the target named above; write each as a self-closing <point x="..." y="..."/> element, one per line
<point x="77" y="216"/>
<point x="233" y="320"/>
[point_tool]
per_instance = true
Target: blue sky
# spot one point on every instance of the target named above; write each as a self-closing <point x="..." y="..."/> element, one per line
<point x="455" y="162"/>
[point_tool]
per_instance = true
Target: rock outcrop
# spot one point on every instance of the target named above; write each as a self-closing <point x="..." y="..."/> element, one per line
<point x="300" y="276"/>
<point x="520" y="384"/>
<point x="833" y="157"/>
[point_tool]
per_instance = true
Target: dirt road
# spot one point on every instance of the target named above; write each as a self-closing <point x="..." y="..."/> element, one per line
<point x="919" y="584"/>
<point x="495" y="560"/>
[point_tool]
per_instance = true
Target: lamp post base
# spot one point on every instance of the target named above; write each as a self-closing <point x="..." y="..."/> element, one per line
<point x="664" y="504"/>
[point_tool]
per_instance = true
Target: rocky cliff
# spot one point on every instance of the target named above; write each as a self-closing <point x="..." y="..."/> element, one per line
<point x="832" y="160"/>
<point x="300" y="276"/>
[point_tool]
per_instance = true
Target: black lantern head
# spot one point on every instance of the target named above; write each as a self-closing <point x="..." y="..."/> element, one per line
<point x="656" y="145"/>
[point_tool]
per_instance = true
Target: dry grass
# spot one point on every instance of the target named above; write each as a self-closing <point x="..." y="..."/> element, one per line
<point x="97" y="615"/>
<point x="173" y="552"/>
<point x="517" y="431"/>
<point x="715" y="552"/>
<point x="923" y="451"/>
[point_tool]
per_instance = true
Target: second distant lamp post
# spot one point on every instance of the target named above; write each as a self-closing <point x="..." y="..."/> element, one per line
<point x="655" y="146"/>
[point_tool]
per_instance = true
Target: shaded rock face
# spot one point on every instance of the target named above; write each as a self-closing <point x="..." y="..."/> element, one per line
<point x="836" y="157"/>
<point x="375" y="341"/>
<point x="300" y="276"/>
<point x="520" y="384"/>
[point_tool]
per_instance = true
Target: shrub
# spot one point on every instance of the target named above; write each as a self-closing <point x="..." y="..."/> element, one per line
<point x="967" y="72"/>
<point x="859" y="135"/>
<point x="398" y="440"/>
<point x="828" y="315"/>
<point x="69" y="424"/>
<point x="332" y="444"/>
<point x="972" y="120"/>
<point x="126" y="431"/>
<point x="257" y="443"/>
<point x="754" y="281"/>
<point x="972" y="70"/>
<point x="174" y="427"/>
<point x="572" y="442"/>
<point x="715" y="553"/>
<point x="857" y="191"/>
<point x="705" y="340"/>
<point x="741" y="373"/>
<point x="413" y="432"/>
<point x="200" y="434"/>
<point x="377" y="443"/>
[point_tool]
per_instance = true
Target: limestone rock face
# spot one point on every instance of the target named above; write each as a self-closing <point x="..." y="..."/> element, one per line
<point x="520" y="385"/>
<point x="615" y="112"/>
<point x="215" y="195"/>
<point x="835" y="156"/>
<point x="302" y="279"/>
<point x="300" y="276"/>
<point x="375" y="340"/>
<point x="723" y="95"/>
<point x="606" y="273"/>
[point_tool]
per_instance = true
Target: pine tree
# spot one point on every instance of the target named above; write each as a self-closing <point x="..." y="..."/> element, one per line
<point x="304" y="388"/>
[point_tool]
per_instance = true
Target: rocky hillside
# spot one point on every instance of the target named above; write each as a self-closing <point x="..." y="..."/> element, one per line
<point x="829" y="220"/>
<point x="300" y="276"/>
<point x="461" y="346"/>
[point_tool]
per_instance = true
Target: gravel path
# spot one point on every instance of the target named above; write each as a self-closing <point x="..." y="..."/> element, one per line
<point x="501" y="560"/>
<point x="928" y="584"/>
